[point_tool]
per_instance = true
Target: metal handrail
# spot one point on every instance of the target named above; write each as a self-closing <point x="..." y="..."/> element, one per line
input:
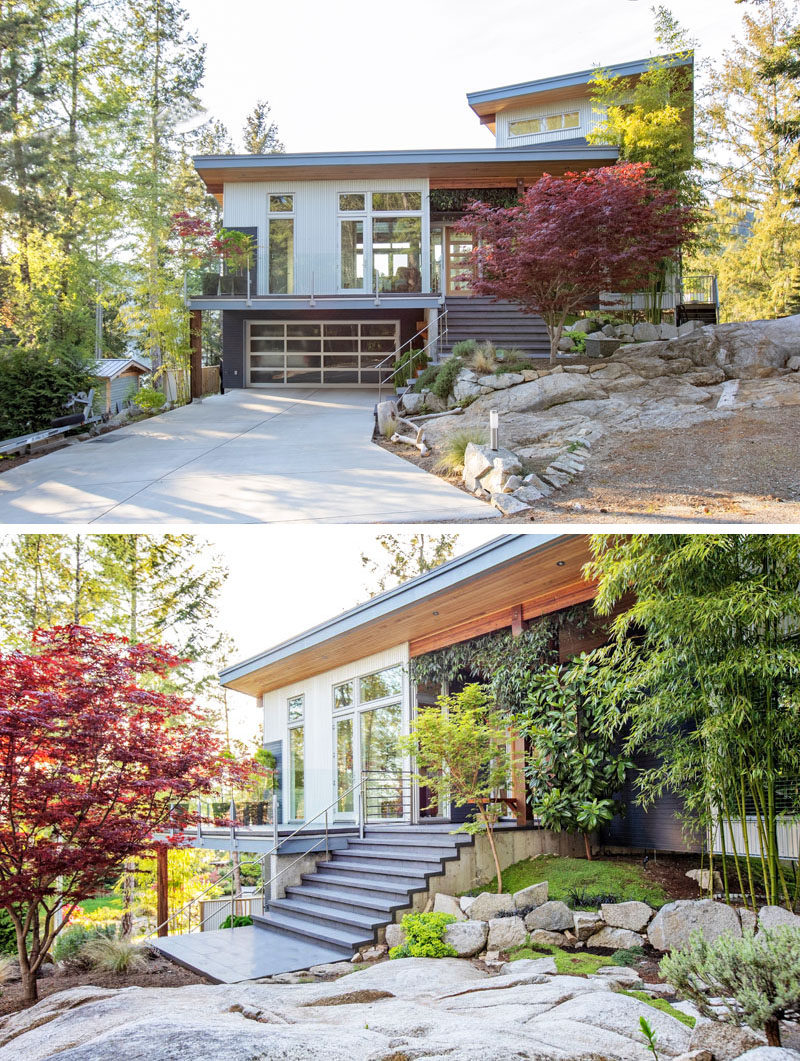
<point x="277" y="844"/>
<point x="431" y="342"/>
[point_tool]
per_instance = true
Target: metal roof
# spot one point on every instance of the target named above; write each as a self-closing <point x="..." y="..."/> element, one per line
<point x="580" y="77"/>
<point x="550" y="152"/>
<point x="492" y="554"/>
<point x="108" y="367"/>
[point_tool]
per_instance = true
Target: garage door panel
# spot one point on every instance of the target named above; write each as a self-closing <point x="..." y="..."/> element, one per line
<point x="313" y="353"/>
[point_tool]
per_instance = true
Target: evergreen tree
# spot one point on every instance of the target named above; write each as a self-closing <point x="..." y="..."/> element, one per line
<point x="407" y="555"/>
<point x="260" y="133"/>
<point x="755" y="226"/>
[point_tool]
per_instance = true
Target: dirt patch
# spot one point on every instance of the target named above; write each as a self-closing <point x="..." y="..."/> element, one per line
<point x="743" y="469"/>
<point x="158" y="974"/>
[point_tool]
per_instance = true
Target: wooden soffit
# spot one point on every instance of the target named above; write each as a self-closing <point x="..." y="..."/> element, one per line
<point x="546" y="579"/>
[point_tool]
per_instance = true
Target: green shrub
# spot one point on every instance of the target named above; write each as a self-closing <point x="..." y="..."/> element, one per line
<point x="149" y="399"/>
<point x="424" y="937"/>
<point x="34" y="386"/>
<point x="451" y="459"/>
<point x="426" y="380"/>
<point x="237" y="921"/>
<point x="579" y="341"/>
<point x="8" y="937"/>
<point x="760" y="973"/>
<point x="627" y="956"/>
<point x="113" y="955"/>
<point x="465" y="348"/>
<point x="70" y="942"/>
<point x="514" y="366"/>
<point x="446" y="378"/>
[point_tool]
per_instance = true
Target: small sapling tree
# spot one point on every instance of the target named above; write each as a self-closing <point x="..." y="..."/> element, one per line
<point x="94" y="760"/>
<point x="460" y="751"/>
<point x="570" y="238"/>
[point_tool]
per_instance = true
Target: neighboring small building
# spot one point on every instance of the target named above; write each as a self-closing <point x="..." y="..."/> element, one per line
<point x="118" y="379"/>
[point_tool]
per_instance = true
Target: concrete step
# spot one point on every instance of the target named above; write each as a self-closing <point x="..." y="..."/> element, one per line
<point x="364" y="873"/>
<point x="438" y="840"/>
<point x="346" y="939"/>
<point x="330" y="916"/>
<point x="405" y="852"/>
<point x="366" y="885"/>
<point x="404" y="863"/>
<point x="345" y="900"/>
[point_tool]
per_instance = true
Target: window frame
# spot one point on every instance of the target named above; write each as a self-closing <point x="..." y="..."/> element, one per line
<point x="543" y="119"/>
<point x="367" y="215"/>
<point x="281" y="215"/>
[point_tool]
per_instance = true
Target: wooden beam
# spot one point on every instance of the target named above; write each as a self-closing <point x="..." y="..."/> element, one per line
<point x="196" y="352"/>
<point x="488" y="119"/>
<point x="162" y="890"/>
<point x="516" y="620"/>
<point x="483" y="624"/>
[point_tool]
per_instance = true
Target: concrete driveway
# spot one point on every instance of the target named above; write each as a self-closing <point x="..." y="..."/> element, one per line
<point x="242" y="457"/>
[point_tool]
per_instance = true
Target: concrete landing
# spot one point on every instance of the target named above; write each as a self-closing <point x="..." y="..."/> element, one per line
<point x="243" y="457"/>
<point x="231" y="955"/>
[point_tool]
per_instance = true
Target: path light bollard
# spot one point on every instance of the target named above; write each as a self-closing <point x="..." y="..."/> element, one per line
<point x="493" y="429"/>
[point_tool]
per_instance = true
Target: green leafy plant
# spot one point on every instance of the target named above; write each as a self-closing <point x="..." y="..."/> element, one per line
<point x="111" y="955"/>
<point x="649" y="1035"/>
<point x="662" y="1005"/>
<point x="465" y="348"/>
<point x="426" y="380"/>
<point x="424" y="937"/>
<point x="149" y="399"/>
<point x="451" y="456"/>
<point x="581" y="899"/>
<point x="573" y="769"/>
<point x="446" y="377"/>
<point x="237" y="921"/>
<point x="578" y="341"/>
<point x="34" y="386"/>
<point x="8" y="935"/>
<point x="761" y="974"/>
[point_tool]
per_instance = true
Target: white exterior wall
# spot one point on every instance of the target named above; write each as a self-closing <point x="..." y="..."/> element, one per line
<point x="589" y="120"/>
<point x="316" y="225"/>
<point x="320" y="775"/>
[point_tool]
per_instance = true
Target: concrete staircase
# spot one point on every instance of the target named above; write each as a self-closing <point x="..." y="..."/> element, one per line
<point x="503" y="323"/>
<point x="359" y="889"/>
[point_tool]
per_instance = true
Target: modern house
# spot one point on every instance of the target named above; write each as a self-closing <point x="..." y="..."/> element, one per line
<point x="352" y="839"/>
<point x="361" y="254"/>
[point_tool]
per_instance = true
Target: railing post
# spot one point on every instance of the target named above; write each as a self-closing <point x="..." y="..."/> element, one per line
<point x="361" y="808"/>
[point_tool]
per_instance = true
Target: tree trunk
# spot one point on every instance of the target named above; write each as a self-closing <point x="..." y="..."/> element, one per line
<point x="588" y="846"/>
<point x="772" y="1029"/>
<point x="128" y="885"/>
<point x="30" y="987"/>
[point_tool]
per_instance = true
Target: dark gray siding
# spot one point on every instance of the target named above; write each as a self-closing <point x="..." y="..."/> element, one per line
<point x="233" y="332"/>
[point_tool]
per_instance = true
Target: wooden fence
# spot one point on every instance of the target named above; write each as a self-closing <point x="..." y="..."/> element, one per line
<point x="210" y="379"/>
<point x="214" y="911"/>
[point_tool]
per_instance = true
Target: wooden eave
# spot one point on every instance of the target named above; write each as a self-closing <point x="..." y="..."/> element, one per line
<point x="503" y="173"/>
<point x="544" y="580"/>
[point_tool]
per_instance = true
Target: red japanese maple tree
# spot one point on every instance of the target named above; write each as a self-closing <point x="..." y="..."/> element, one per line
<point x="94" y="760"/>
<point x="571" y="237"/>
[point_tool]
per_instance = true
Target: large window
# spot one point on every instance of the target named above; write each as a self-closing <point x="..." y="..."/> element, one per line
<point x="297" y="800"/>
<point x="380" y="241"/>
<point x="381" y="684"/>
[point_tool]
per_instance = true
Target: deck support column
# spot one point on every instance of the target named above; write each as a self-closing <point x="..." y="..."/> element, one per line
<point x="518" y="786"/>
<point x="162" y="890"/>
<point x="196" y="352"/>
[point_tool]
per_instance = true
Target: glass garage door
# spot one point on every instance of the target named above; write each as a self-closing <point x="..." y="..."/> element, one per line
<point x="332" y="353"/>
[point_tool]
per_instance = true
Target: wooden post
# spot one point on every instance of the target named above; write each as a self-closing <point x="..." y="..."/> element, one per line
<point x="196" y="354"/>
<point x="162" y="890"/>
<point x="519" y="789"/>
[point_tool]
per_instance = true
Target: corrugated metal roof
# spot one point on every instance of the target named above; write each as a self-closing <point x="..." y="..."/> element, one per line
<point x="108" y="367"/>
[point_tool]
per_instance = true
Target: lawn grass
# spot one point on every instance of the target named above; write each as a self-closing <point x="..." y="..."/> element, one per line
<point x="624" y="880"/>
<point x="112" y="900"/>
<point x="568" y="962"/>
<point x="664" y="1006"/>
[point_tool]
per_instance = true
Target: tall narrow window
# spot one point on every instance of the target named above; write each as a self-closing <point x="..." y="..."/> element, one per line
<point x="297" y="773"/>
<point x="344" y="765"/>
<point x="396" y="253"/>
<point x="352" y="255"/>
<point x="281" y="256"/>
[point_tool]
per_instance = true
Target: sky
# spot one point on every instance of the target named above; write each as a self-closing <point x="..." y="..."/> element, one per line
<point x="369" y="76"/>
<point x="284" y="580"/>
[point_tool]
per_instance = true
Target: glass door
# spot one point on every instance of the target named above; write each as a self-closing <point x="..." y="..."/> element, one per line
<point x="430" y="806"/>
<point x="458" y="268"/>
<point x="381" y="759"/>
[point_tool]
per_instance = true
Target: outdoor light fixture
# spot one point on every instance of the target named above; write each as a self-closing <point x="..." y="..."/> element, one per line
<point x="493" y="425"/>
<point x="561" y="563"/>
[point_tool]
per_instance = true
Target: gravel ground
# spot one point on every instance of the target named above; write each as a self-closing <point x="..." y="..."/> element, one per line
<point x="745" y="469"/>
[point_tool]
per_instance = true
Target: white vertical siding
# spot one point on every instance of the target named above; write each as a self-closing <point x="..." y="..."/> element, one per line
<point x="319" y="752"/>
<point x="589" y="120"/>
<point x="316" y="225"/>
